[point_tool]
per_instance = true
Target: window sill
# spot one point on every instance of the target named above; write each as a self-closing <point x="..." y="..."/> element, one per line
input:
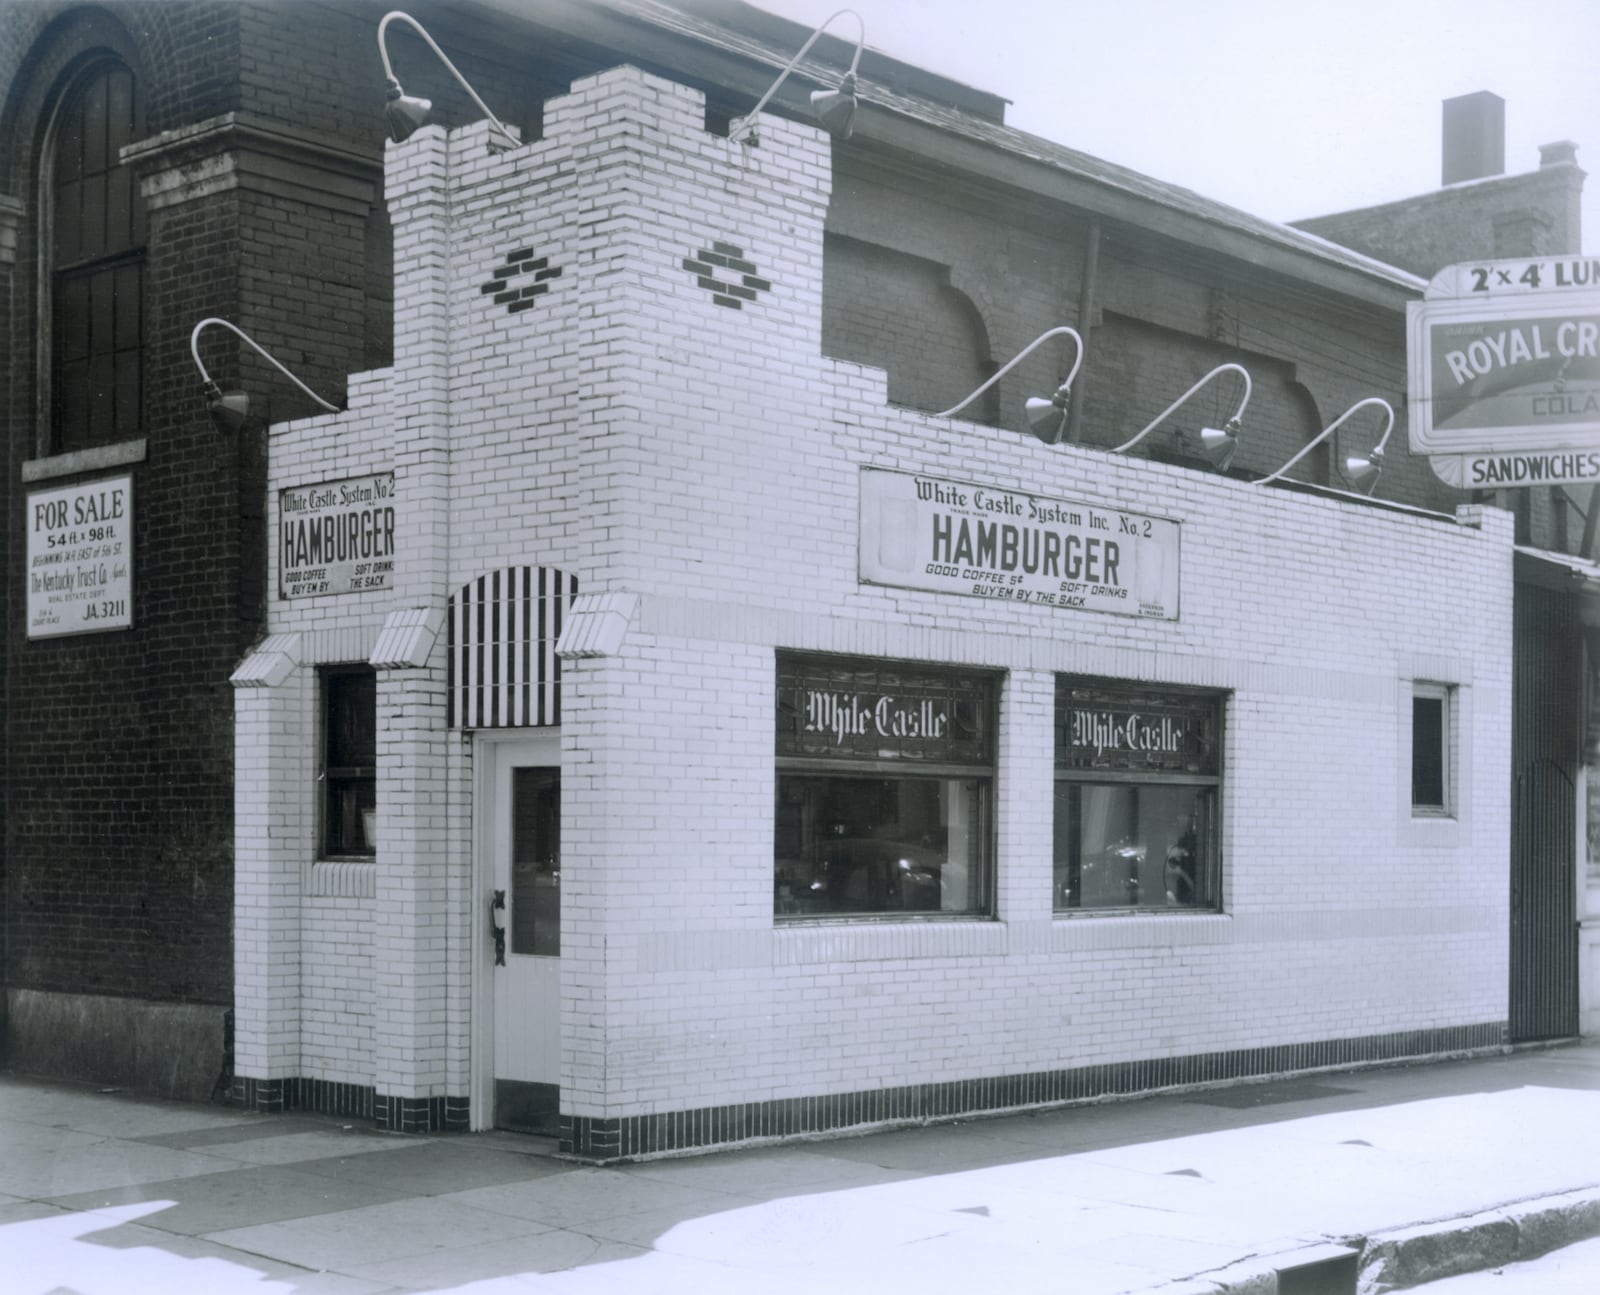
<point x="1441" y="831"/>
<point x="343" y="879"/>
<point x="1139" y="929"/>
<point x="95" y="459"/>
<point x="784" y="921"/>
<point x="1163" y="912"/>
<point x="800" y="943"/>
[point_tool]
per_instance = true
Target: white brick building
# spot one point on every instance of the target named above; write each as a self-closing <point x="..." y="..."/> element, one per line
<point x="612" y="513"/>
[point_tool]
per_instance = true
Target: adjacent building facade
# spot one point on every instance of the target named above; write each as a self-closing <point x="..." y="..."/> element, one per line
<point x="645" y="713"/>
<point x="1483" y="214"/>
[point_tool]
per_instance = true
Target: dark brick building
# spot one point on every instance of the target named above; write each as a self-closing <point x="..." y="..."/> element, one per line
<point x="167" y="161"/>
<point x="1479" y="210"/>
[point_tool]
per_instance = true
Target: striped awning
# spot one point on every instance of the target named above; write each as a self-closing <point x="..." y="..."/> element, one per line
<point x="503" y="669"/>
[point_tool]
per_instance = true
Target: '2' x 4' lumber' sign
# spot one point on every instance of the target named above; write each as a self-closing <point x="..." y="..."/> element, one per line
<point x="1504" y="372"/>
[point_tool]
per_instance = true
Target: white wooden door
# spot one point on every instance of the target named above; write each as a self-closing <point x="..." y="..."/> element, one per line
<point x="524" y="913"/>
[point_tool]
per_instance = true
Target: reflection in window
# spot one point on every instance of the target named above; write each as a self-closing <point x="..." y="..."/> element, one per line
<point x="885" y="786"/>
<point x="1133" y="846"/>
<point x="880" y="845"/>
<point x="349" y="761"/>
<point x="1138" y="787"/>
<point x="536" y="861"/>
<point x="96" y="248"/>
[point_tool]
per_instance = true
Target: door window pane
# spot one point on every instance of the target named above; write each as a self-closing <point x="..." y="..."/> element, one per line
<point x="536" y="861"/>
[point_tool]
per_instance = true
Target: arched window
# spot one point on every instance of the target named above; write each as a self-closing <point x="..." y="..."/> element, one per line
<point x="94" y="263"/>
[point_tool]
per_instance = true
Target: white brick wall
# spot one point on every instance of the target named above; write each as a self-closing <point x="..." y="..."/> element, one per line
<point x="627" y="428"/>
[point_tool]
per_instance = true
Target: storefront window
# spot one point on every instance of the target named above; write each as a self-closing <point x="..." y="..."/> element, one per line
<point x="1138" y="782"/>
<point x="885" y="789"/>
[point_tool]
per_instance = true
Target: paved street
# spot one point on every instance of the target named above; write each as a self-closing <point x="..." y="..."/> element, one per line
<point x="1193" y="1193"/>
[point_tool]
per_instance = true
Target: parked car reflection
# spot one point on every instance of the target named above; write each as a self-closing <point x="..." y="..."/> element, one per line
<point x="1108" y="878"/>
<point x="863" y="875"/>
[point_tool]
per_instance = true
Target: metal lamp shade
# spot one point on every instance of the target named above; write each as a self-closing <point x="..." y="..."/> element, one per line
<point x="404" y="112"/>
<point x="1219" y="445"/>
<point x="1046" y="417"/>
<point x="1363" y="473"/>
<point x="836" y="109"/>
<point x="228" y="410"/>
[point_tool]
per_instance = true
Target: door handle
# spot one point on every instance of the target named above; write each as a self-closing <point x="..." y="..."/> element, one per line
<point x="498" y="903"/>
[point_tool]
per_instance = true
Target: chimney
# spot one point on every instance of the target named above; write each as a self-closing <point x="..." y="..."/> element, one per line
<point x="1559" y="153"/>
<point x="1474" y="137"/>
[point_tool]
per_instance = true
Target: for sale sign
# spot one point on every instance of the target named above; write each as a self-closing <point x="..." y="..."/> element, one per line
<point x="80" y="558"/>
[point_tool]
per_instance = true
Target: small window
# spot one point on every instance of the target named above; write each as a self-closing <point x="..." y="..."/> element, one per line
<point x="885" y="790"/>
<point x="1432" y="742"/>
<point x="349" y="762"/>
<point x="1137" y="799"/>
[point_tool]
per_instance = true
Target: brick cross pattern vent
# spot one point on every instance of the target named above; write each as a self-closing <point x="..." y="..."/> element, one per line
<point x="728" y="260"/>
<point x="520" y="279"/>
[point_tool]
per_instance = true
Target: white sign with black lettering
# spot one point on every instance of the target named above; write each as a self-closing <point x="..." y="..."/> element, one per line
<point x="80" y="558"/>
<point x="336" y="537"/>
<point x="922" y="532"/>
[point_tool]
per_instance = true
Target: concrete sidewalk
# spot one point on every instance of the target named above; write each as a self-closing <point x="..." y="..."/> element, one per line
<point x="1401" y="1174"/>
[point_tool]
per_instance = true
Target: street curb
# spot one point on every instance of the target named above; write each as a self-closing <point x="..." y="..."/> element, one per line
<point x="1309" y="1269"/>
<point x="1411" y="1256"/>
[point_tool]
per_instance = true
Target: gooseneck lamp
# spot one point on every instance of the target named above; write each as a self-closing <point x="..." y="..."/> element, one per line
<point x="1218" y="443"/>
<point x="835" y="110"/>
<point x="228" y="409"/>
<point x="405" y="112"/>
<point x="1361" y="471"/>
<point x="1047" y="419"/>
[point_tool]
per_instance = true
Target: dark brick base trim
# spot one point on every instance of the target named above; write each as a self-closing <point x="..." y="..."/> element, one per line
<point x="352" y="1101"/>
<point x="420" y="1114"/>
<point x="635" y="1136"/>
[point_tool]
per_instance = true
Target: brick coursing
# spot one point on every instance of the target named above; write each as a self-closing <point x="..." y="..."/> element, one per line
<point x="1533" y="213"/>
<point x="626" y="427"/>
<point x="119" y="747"/>
<point x="612" y="432"/>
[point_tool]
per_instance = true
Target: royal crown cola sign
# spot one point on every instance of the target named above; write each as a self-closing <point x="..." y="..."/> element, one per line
<point x="1504" y="372"/>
